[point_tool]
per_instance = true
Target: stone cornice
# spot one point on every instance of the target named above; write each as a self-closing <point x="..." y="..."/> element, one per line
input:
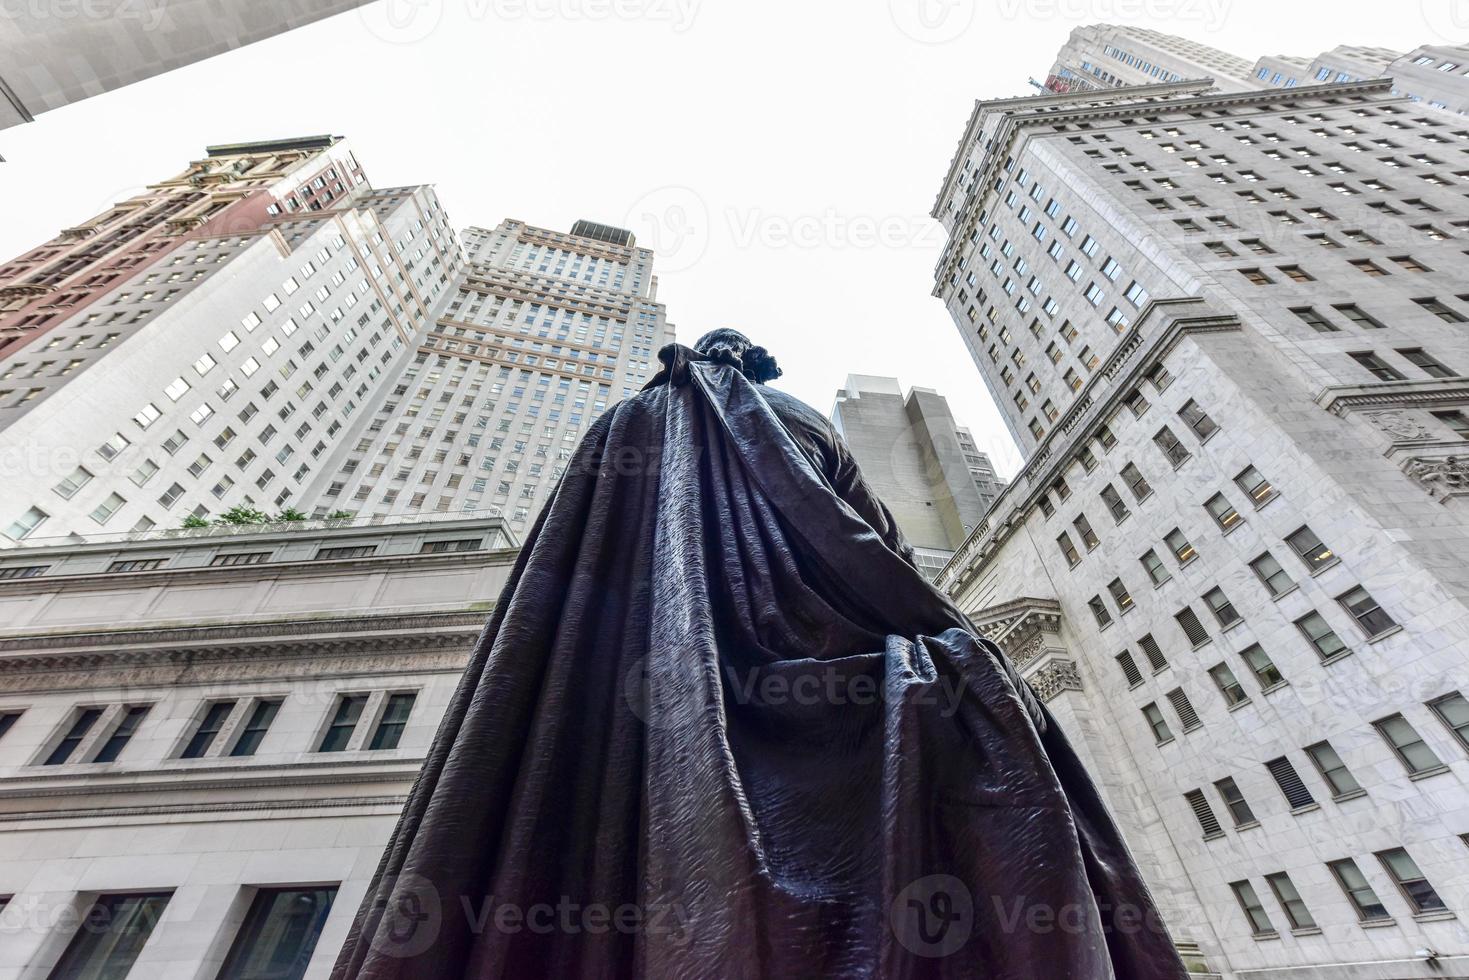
<point x="1344" y="399"/>
<point x="108" y="814"/>
<point x="1011" y="624"/>
<point x="86" y="780"/>
<point x="1094" y="405"/>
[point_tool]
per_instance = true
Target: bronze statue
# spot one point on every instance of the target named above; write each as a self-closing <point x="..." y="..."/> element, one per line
<point x="718" y="725"/>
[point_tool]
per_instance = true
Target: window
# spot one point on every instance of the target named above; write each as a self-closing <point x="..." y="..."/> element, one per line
<point x="1204" y="813"/>
<point x="1197" y="419"/>
<point x="1320" y="635"/>
<point x="343" y="723"/>
<point x="1114" y="503"/>
<point x="1376" y="366"/>
<point x="440" y="547"/>
<point x="137" y="564"/>
<point x="1354" y="883"/>
<point x="1249" y="903"/>
<point x="1290" y="901"/>
<point x="132" y="717"/>
<point x="1261" y="666"/>
<point x="1334" y="771"/>
<point x="1368" y="614"/>
<point x="1179" y="545"/>
<point x="209" y="726"/>
<point x="23" y="525"/>
<point x="1228" y="684"/>
<point x="1272" y="576"/>
<point x="1085" y="532"/>
<point x="1099" y="611"/>
<point x="1410" y="881"/>
<point x="1412" y="751"/>
<point x="1453" y="710"/>
<point x="114" y="930"/>
<point x="1443" y="312"/>
<point x="1153" y="652"/>
<point x="255" y="727"/>
<point x="1129" y="669"/>
<point x="1184" y="708"/>
<point x="240" y="558"/>
<point x="1455" y="420"/>
<point x="103" y="512"/>
<point x="1191" y="626"/>
<point x="1426" y="363"/>
<point x="1313" y="319"/>
<point x="68" y="487"/>
<point x="1309" y="549"/>
<point x="1157" y="723"/>
<point x="81" y="724"/>
<point x="1222" y="608"/>
<point x="358" y="551"/>
<point x="1234" y="801"/>
<point x="1157" y="571"/>
<point x="279" y="934"/>
<point x="1136" y="483"/>
<point x="394" y="719"/>
<point x="1172" y="448"/>
<point x="1223" y="512"/>
<point x="1068" y="550"/>
<point x="1120" y="595"/>
<point x="1289" y="781"/>
<point x="1251" y="482"/>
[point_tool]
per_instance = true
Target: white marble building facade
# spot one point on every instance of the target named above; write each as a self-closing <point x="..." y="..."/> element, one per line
<point x="1227" y="331"/>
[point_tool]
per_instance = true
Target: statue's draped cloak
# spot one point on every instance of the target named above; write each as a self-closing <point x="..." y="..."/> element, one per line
<point x="719" y="726"/>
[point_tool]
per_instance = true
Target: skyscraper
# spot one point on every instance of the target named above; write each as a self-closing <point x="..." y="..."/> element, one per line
<point x="1108" y="55"/>
<point x="924" y="466"/>
<point x="211" y="342"/>
<point x="54" y="56"/>
<point x="1227" y="330"/>
<point x="538" y="335"/>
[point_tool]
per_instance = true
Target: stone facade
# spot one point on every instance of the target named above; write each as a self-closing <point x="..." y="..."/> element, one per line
<point x="167" y="635"/>
<point x="1227" y="331"/>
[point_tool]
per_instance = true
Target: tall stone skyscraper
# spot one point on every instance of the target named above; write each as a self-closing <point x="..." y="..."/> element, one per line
<point x="1228" y="331"/>
<point x="1109" y="55"/>
<point x="211" y="342"/>
<point x="541" y="332"/>
<point x="923" y="465"/>
<point x="54" y="55"/>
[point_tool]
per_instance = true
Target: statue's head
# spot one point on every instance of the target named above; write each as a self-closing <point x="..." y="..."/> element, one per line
<point x="734" y="347"/>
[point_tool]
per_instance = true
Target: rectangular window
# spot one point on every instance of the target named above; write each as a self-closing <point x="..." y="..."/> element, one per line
<point x="113" y="931"/>
<point x="1357" y="890"/>
<point x="1321" y="636"/>
<point x="1136" y="483"/>
<point x="1085" y="532"/>
<point x="1222" y="608"/>
<point x="1129" y="669"/>
<point x="77" y="479"/>
<point x="1453" y="710"/>
<point x="1185" y="709"/>
<point x="1157" y="723"/>
<point x="1192" y="628"/>
<point x="394" y="719"/>
<point x="1261" y="666"/>
<point x="1204" y="813"/>
<point x="1198" y="420"/>
<point x="1359" y="316"/>
<point x="81" y="724"/>
<point x="209" y="726"/>
<point x="1426" y="362"/>
<point x="1410" y="881"/>
<point x="255" y="727"/>
<point x="1411" y="750"/>
<point x="1271" y="575"/>
<point x="1365" y="610"/>
<point x="1229" y="685"/>
<point x="1179" y="545"/>
<point x="1157" y="571"/>
<point x="1099" y="611"/>
<point x="1120" y="595"/>
<point x="1376" y="366"/>
<point x="1152" y="651"/>
<point x="279" y="934"/>
<point x="1290" y="901"/>
<point x="1223" y="512"/>
<point x="343" y="723"/>
<point x="1174" y="450"/>
<point x="103" y="512"/>
<point x="1068" y="550"/>
<point x="1313" y="319"/>
<point x="126" y="728"/>
<point x="26" y="523"/>
<point x="1309" y="549"/>
<point x="1333" y="770"/>
<point x="1114" y="503"/>
<point x="1256" y="486"/>
<point x="1290" y="783"/>
<point x="1249" y="903"/>
<point x="1234" y="801"/>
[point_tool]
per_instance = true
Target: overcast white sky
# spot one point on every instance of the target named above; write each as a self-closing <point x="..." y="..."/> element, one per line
<point x="781" y="157"/>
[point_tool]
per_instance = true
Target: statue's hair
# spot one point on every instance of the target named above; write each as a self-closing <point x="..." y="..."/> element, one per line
<point x="755" y="363"/>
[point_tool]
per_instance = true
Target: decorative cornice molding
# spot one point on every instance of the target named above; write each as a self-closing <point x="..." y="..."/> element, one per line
<point x="110" y="813"/>
<point x="209" y="778"/>
<point x="1345" y="399"/>
<point x="1053" y="677"/>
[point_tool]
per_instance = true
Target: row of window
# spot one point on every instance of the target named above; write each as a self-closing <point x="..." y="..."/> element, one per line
<point x="247" y="720"/>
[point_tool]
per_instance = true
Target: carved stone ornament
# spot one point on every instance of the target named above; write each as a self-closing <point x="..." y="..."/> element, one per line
<point x="1055" y="677"/>
<point x="1399" y="425"/>
<point x="1442" y="476"/>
